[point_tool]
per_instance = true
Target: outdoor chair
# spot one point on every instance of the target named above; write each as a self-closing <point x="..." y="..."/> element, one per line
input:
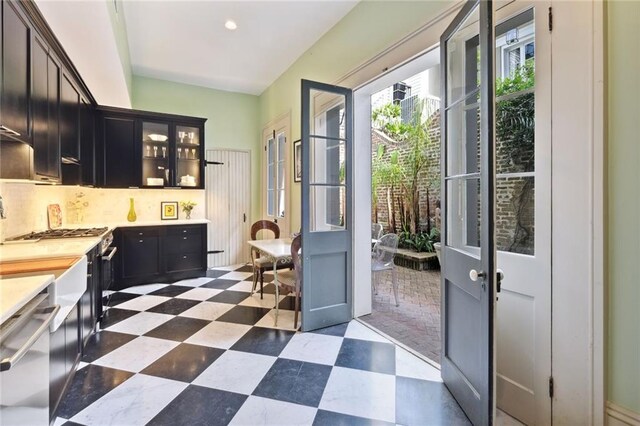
<point x="376" y="231"/>
<point x="382" y="258"/>
<point x="291" y="281"/>
<point x="262" y="264"/>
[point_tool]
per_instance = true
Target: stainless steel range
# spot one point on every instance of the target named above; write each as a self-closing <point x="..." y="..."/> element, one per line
<point x="59" y="233"/>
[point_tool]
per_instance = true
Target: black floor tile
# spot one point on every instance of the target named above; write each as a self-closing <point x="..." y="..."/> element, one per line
<point x="114" y="315"/>
<point x="335" y="330"/>
<point x="365" y="355"/>
<point x="264" y="341"/>
<point x="245" y="268"/>
<point x="267" y="278"/>
<point x="103" y="342"/>
<point x="171" y="290"/>
<point x="174" y="306"/>
<point x="229" y="296"/>
<point x="215" y="273"/>
<point x="185" y="362"/>
<point x="70" y="423"/>
<point x="329" y="418"/>
<point x="294" y="381"/>
<point x="178" y="329"/>
<point x="220" y="284"/>
<point x="243" y="314"/>
<point x="288" y="302"/>
<point x="424" y="402"/>
<point x="88" y="385"/>
<point x="197" y="405"/>
<point x="118" y="297"/>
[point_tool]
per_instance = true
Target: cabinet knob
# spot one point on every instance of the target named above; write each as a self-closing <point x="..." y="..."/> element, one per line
<point x="184" y="238"/>
<point x="184" y="231"/>
<point x="141" y="241"/>
<point x="140" y="234"/>
<point x="184" y="257"/>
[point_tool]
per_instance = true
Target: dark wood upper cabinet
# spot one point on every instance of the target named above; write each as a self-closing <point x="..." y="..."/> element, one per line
<point x="120" y="158"/>
<point x="69" y="121"/>
<point x="87" y="143"/>
<point x="44" y="113"/>
<point x="16" y="71"/>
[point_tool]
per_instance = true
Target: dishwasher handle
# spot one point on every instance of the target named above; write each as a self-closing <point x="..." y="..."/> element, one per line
<point x="111" y="254"/>
<point x="7" y="363"/>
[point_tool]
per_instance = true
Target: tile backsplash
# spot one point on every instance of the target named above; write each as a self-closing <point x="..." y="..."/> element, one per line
<point x="26" y="205"/>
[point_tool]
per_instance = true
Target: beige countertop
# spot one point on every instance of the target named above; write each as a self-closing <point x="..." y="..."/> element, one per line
<point x="17" y="292"/>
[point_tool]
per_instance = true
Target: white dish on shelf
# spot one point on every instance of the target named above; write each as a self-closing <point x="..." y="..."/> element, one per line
<point x="158" y="138"/>
<point x="155" y="182"/>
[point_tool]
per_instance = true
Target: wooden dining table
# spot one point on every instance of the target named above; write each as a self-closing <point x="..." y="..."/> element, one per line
<point x="277" y="251"/>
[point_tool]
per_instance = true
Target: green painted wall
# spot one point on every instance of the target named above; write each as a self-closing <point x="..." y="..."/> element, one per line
<point x="364" y="32"/>
<point x="232" y="117"/>
<point x="122" y="42"/>
<point x="623" y="88"/>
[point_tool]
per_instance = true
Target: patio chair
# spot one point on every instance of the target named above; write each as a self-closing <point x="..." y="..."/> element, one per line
<point x="262" y="264"/>
<point x="376" y="231"/>
<point x="291" y="281"/>
<point x="382" y="258"/>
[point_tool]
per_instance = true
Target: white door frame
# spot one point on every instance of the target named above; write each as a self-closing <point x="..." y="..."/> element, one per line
<point x="578" y="307"/>
<point x="282" y="123"/>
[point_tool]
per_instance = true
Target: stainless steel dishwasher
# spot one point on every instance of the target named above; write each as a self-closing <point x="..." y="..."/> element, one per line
<point x="24" y="364"/>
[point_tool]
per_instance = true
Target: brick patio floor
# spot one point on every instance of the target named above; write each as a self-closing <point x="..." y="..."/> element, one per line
<point x="416" y="322"/>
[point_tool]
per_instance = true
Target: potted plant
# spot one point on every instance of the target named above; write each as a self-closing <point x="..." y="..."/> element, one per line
<point x="187" y="207"/>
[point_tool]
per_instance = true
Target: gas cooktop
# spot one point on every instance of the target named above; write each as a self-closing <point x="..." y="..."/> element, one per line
<point x="60" y="233"/>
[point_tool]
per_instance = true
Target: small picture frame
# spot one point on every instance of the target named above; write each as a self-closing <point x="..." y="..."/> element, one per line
<point x="169" y="210"/>
<point x="297" y="161"/>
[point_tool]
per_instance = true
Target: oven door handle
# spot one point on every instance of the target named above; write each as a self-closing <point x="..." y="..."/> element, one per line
<point x="7" y="363"/>
<point x="111" y="254"/>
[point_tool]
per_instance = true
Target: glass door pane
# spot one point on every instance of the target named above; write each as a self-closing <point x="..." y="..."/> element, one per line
<point x="187" y="156"/>
<point x="155" y="154"/>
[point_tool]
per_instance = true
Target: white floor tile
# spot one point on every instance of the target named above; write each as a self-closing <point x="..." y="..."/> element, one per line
<point x="285" y="320"/>
<point x="200" y="293"/>
<point x="311" y="347"/>
<point x="409" y="365"/>
<point x="219" y="335"/>
<point x="236" y="275"/>
<point x="243" y="286"/>
<point x="229" y="267"/>
<point x="207" y="310"/>
<point x="194" y="282"/>
<point x="134" y="402"/>
<point x="140" y="323"/>
<point x="360" y="393"/>
<point x="137" y="354"/>
<point x="144" y="289"/>
<point x="264" y="411"/>
<point x="355" y="330"/>
<point x="143" y="303"/>
<point x="59" y="421"/>
<point x="268" y="301"/>
<point x="235" y="371"/>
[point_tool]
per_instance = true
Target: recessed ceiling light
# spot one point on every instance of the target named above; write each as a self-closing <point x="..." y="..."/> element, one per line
<point x="230" y="25"/>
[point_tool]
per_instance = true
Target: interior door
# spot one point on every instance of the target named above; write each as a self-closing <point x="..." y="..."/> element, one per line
<point x="468" y="250"/>
<point x="327" y="133"/>
<point x="228" y="188"/>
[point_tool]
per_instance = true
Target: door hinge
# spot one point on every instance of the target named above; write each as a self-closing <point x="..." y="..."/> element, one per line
<point x="550" y="19"/>
<point x="550" y="387"/>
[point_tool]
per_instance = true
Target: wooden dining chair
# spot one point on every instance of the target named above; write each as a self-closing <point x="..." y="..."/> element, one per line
<point x="262" y="264"/>
<point x="291" y="281"/>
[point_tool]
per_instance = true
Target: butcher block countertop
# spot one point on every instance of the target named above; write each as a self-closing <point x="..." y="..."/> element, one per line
<point x="17" y="292"/>
<point x="36" y="265"/>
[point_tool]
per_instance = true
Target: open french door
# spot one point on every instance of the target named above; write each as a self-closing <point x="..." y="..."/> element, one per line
<point x="468" y="250"/>
<point x="326" y="204"/>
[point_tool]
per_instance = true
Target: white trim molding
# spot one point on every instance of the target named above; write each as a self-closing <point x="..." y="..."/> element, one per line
<point x="618" y="416"/>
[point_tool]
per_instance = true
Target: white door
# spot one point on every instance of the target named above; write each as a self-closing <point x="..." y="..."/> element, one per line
<point x="228" y="193"/>
<point x="523" y="210"/>
<point x="276" y="174"/>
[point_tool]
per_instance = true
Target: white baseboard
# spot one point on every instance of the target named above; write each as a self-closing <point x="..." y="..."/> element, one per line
<point x="620" y="416"/>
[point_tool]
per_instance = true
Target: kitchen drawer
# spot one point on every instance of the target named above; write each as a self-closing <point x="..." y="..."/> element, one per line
<point x="186" y="230"/>
<point x="184" y="262"/>
<point x="177" y="244"/>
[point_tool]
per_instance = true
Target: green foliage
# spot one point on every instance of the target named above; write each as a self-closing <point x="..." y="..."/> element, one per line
<point x="421" y="241"/>
<point x="515" y="116"/>
<point x="388" y="118"/>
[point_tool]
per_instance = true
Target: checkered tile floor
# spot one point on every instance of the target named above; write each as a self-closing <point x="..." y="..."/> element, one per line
<point x="204" y="352"/>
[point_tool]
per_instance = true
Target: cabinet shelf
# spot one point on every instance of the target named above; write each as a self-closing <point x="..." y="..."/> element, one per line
<point x="155" y="158"/>
<point x="188" y="159"/>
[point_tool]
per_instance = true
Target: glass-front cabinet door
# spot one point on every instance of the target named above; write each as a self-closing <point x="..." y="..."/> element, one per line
<point x="155" y="154"/>
<point x="187" y="155"/>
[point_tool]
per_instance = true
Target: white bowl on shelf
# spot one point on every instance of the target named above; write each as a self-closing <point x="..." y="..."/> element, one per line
<point x="155" y="182"/>
<point x="158" y="138"/>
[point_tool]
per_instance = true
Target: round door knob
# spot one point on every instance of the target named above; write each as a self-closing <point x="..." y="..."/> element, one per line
<point x="500" y="274"/>
<point x="474" y="275"/>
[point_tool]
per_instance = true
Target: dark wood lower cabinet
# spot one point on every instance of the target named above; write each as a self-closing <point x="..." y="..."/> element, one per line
<point x="64" y="354"/>
<point x="159" y="254"/>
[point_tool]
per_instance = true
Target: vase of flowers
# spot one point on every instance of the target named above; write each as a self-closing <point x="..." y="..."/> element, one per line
<point x="187" y="207"/>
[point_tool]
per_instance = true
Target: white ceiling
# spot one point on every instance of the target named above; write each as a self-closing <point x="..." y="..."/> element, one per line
<point x="186" y="41"/>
